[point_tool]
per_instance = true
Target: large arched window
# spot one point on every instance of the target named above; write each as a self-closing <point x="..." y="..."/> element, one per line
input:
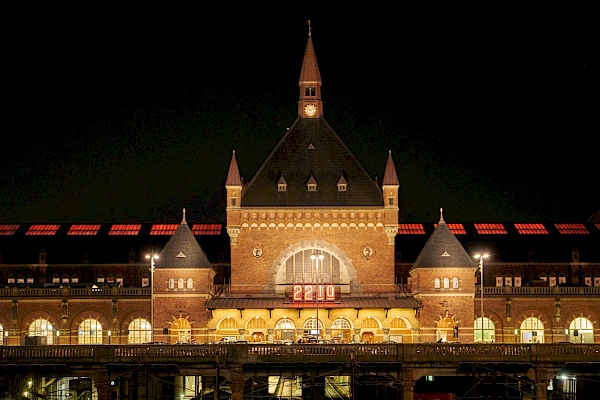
<point x="284" y="330"/>
<point x="140" y="331"/>
<point x="484" y="328"/>
<point x="43" y="328"/>
<point x="581" y="330"/>
<point x="313" y="328"/>
<point x="532" y="330"/>
<point x="181" y="331"/>
<point x="341" y="331"/>
<point x="90" y="332"/>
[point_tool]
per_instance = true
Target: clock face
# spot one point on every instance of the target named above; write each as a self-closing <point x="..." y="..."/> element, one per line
<point x="310" y="109"/>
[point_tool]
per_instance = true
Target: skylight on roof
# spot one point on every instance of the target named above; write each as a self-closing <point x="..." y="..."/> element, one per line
<point x="411" y="229"/>
<point x="125" y="229"/>
<point x="572" y="229"/>
<point x="7" y="230"/>
<point x="83" y="230"/>
<point x="206" y="229"/>
<point x="491" y="229"/>
<point x="457" y="229"/>
<point x="531" y="229"/>
<point x="42" y="230"/>
<point x="163" y="229"/>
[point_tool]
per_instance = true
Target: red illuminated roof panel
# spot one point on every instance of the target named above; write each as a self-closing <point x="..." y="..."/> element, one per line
<point x="207" y="229"/>
<point x="531" y="229"/>
<point x="42" y="230"/>
<point x="491" y="229"/>
<point x="163" y="229"/>
<point x="572" y="229"/>
<point x="411" y="229"/>
<point x="125" y="229"/>
<point x="457" y="229"/>
<point x="7" y="230"/>
<point x="83" y="230"/>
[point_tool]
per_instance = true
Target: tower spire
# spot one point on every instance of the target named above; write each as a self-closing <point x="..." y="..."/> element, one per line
<point x="310" y="104"/>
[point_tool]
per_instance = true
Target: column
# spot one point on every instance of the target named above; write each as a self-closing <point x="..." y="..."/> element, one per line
<point x="236" y="383"/>
<point x="356" y="335"/>
<point x="386" y="334"/>
<point x="270" y="333"/>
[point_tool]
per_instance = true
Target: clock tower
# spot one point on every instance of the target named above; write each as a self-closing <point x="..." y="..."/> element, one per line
<point x="310" y="104"/>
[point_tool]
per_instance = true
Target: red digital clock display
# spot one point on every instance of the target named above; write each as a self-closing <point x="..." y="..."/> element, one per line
<point x="313" y="293"/>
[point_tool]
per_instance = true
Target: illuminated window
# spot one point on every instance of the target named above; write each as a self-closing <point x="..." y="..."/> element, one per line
<point x="190" y="283"/>
<point x="207" y="229"/>
<point x="499" y="281"/>
<point x="488" y="330"/>
<point x="446" y="283"/>
<point x="83" y="230"/>
<point x="163" y="229"/>
<point x="596" y="281"/>
<point x="588" y="280"/>
<point x="124" y="229"/>
<point x="455" y="283"/>
<point x="532" y="330"/>
<point x="508" y="281"/>
<point x="312" y="187"/>
<point x="180" y="283"/>
<point x="562" y="279"/>
<point x="491" y="229"/>
<point x="411" y="229"/>
<point x="171" y="283"/>
<point x="436" y="283"/>
<point x="572" y="229"/>
<point x="41" y="327"/>
<point x="531" y="229"/>
<point x="310" y="91"/>
<point x="552" y="281"/>
<point x="90" y="332"/>
<point x="581" y="330"/>
<point x="7" y="230"/>
<point x="42" y="230"/>
<point x="517" y="281"/>
<point x="139" y="331"/>
<point x="11" y="279"/>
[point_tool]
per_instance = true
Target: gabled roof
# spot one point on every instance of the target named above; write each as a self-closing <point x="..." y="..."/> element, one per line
<point x="443" y="250"/>
<point x="311" y="146"/>
<point x="182" y="251"/>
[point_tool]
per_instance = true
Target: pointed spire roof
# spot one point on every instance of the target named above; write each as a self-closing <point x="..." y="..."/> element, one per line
<point x="443" y="250"/>
<point x="310" y="69"/>
<point x="390" y="177"/>
<point x="182" y="251"/>
<point x="233" y="175"/>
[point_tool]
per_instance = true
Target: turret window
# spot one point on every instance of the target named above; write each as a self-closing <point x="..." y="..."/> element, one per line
<point x="391" y="201"/>
<point x="312" y="187"/>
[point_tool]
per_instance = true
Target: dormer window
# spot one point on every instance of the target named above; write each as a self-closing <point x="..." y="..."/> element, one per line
<point x="311" y="184"/>
<point x="342" y="184"/>
<point x="282" y="184"/>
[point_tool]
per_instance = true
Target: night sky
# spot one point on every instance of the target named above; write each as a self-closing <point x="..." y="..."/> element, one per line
<point x="132" y="118"/>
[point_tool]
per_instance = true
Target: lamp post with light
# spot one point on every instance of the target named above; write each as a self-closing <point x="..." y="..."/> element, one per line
<point x="317" y="255"/>
<point x="152" y="257"/>
<point x="481" y="256"/>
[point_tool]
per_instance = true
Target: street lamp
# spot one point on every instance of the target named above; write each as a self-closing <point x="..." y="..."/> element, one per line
<point x="152" y="257"/>
<point x="481" y="256"/>
<point x="317" y="255"/>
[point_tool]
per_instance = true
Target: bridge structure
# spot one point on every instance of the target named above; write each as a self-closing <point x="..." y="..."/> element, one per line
<point x="392" y="365"/>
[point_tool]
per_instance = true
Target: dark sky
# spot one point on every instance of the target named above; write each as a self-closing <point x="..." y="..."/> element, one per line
<point x="131" y="118"/>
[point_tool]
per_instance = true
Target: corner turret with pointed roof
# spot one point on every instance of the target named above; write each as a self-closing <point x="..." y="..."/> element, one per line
<point x="182" y="251"/>
<point x="443" y="250"/>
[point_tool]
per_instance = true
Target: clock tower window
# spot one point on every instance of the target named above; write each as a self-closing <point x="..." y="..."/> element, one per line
<point x="310" y="91"/>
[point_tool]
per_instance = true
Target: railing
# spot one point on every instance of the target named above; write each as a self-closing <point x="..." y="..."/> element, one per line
<point x="539" y="291"/>
<point x="74" y="292"/>
<point x="268" y="353"/>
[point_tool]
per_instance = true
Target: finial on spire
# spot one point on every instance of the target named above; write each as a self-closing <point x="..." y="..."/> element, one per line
<point x="183" y="221"/>
<point x="441" y="215"/>
<point x="309" y="33"/>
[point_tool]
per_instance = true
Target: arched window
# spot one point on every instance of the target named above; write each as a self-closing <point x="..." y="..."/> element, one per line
<point x="180" y="283"/>
<point x="43" y="328"/>
<point x="436" y="283"/>
<point x="313" y="328"/>
<point x="171" y="283"/>
<point x="1" y="335"/>
<point x="532" y="330"/>
<point x="140" y="331"/>
<point x="190" y="283"/>
<point x="581" y="330"/>
<point x="455" y="283"/>
<point x="487" y="330"/>
<point x="181" y="331"/>
<point x="446" y="283"/>
<point x="285" y="329"/>
<point x="90" y="332"/>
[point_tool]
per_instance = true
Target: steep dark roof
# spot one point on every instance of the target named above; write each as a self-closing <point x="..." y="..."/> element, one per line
<point x="182" y="251"/>
<point x="311" y="146"/>
<point x="443" y="250"/>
